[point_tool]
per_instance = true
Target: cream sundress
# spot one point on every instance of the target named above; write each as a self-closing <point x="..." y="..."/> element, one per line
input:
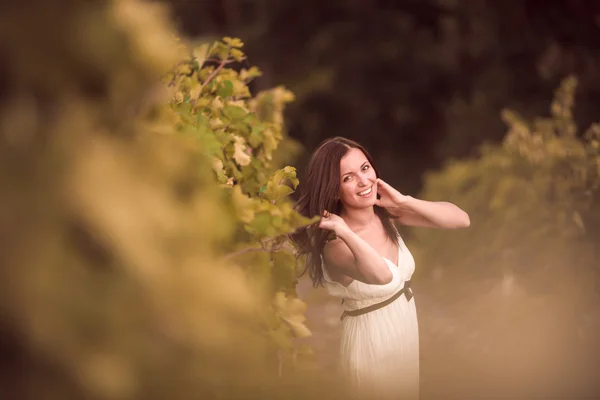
<point x="379" y="351"/>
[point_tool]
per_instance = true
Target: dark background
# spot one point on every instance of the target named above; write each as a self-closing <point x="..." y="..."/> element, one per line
<point x="418" y="82"/>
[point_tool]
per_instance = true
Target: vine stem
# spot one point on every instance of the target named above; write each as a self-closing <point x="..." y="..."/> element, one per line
<point x="217" y="70"/>
<point x="277" y="249"/>
<point x="248" y="250"/>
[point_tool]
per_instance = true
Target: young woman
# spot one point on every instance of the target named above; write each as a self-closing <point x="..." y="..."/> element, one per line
<point x="357" y="254"/>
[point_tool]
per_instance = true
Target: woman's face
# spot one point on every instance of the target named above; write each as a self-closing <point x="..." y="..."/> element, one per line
<point x="358" y="188"/>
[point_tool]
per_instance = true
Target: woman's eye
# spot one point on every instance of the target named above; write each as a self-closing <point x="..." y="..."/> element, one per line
<point x="365" y="167"/>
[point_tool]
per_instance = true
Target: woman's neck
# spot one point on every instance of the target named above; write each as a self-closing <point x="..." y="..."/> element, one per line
<point x="359" y="219"/>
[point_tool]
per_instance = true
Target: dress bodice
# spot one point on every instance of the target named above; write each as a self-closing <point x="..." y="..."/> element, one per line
<point x="359" y="294"/>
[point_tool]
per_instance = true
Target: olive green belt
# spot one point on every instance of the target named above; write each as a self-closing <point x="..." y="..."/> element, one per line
<point x="406" y="290"/>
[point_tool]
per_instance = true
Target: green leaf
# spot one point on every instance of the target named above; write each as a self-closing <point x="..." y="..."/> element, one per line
<point x="291" y="310"/>
<point x="226" y="89"/>
<point x="201" y="120"/>
<point x="249" y="74"/>
<point x="237" y="54"/>
<point x="277" y="222"/>
<point x="233" y="42"/>
<point x="298" y="221"/>
<point x="241" y="128"/>
<point x="244" y="206"/>
<point x="211" y="145"/>
<point x="277" y="187"/>
<point x="256" y="137"/>
<point x="200" y="53"/>
<point x="234" y="112"/>
<point x="261" y="224"/>
<point x="284" y="270"/>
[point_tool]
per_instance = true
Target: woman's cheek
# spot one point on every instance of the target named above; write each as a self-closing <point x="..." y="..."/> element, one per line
<point x="347" y="192"/>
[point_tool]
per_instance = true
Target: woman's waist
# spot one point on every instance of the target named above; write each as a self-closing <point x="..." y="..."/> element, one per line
<point x="404" y="293"/>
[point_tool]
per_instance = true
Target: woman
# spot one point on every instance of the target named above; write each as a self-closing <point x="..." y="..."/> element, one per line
<point x="358" y="255"/>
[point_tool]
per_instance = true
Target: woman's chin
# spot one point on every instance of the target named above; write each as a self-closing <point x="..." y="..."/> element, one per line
<point x="363" y="203"/>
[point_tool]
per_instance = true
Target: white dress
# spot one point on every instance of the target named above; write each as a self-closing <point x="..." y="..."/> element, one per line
<point x="379" y="351"/>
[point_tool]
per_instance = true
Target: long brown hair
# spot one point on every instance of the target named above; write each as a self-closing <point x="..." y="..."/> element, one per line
<point x="318" y="191"/>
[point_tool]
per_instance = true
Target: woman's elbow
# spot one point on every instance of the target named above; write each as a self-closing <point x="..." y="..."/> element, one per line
<point x="466" y="220"/>
<point x="462" y="221"/>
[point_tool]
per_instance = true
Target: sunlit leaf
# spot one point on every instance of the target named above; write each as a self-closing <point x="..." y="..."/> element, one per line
<point x="226" y="89"/>
<point x="292" y="311"/>
<point x="234" y="112"/>
<point x="233" y="42"/>
<point x="240" y="154"/>
<point x="200" y="53"/>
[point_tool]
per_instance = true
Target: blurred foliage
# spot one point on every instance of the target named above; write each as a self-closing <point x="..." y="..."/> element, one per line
<point x="113" y="280"/>
<point x="535" y="192"/>
<point x="524" y="278"/>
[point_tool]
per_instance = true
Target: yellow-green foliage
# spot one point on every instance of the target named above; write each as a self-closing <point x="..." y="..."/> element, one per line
<point x="240" y="134"/>
<point x="114" y="279"/>
<point x="530" y="201"/>
<point x="522" y="281"/>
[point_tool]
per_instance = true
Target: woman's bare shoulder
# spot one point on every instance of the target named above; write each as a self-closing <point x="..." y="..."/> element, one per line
<point x="339" y="261"/>
<point x="336" y="252"/>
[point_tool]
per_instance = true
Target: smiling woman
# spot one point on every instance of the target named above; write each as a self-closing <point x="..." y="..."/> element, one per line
<point x="329" y="184"/>
<point x="356" y="181"/>
<point x="367" y="264"/>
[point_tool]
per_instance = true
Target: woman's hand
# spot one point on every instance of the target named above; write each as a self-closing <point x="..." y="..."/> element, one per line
<point x="390" y="198"/>
<point x="333" y="223"/>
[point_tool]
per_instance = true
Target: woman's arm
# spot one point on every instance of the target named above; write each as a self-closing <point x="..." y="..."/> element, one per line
<point x="414" y="212"/>
<point x="352" y="256"/>
<point x="430" y="214"/>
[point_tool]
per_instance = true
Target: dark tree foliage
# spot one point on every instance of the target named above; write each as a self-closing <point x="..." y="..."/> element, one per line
<point x="416" y="81"/>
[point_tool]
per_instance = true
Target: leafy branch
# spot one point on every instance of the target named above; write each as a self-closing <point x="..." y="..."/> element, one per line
<point x="216" y="71"/>
<point x="240" y="132"/>
<point x="264" y="248"/>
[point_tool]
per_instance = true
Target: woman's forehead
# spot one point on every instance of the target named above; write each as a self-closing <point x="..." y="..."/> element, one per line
<point x="353" y="159"/>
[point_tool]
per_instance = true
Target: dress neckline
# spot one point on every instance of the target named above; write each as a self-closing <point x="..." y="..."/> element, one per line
<point x="397" y="265"/>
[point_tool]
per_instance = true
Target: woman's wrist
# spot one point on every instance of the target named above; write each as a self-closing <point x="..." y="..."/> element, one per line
<point x="406" y="204"/>
<point x="343" y="232"/>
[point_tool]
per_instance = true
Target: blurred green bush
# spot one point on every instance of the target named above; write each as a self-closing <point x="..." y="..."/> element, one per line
<point x="533" y="202"/>
<point x="522" y="282"/>
<point x="126" y="271"/>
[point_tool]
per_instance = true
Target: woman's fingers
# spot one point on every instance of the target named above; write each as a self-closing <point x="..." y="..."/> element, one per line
<point x="382" y="188"/>
<point x="325" y="224"/>
<point x="383" y="184"/>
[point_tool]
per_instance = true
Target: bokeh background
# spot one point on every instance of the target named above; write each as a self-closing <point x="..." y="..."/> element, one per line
<point x="417" y="81"/>
<point x="511" y="306"/>
<point x="127" y="271"/>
